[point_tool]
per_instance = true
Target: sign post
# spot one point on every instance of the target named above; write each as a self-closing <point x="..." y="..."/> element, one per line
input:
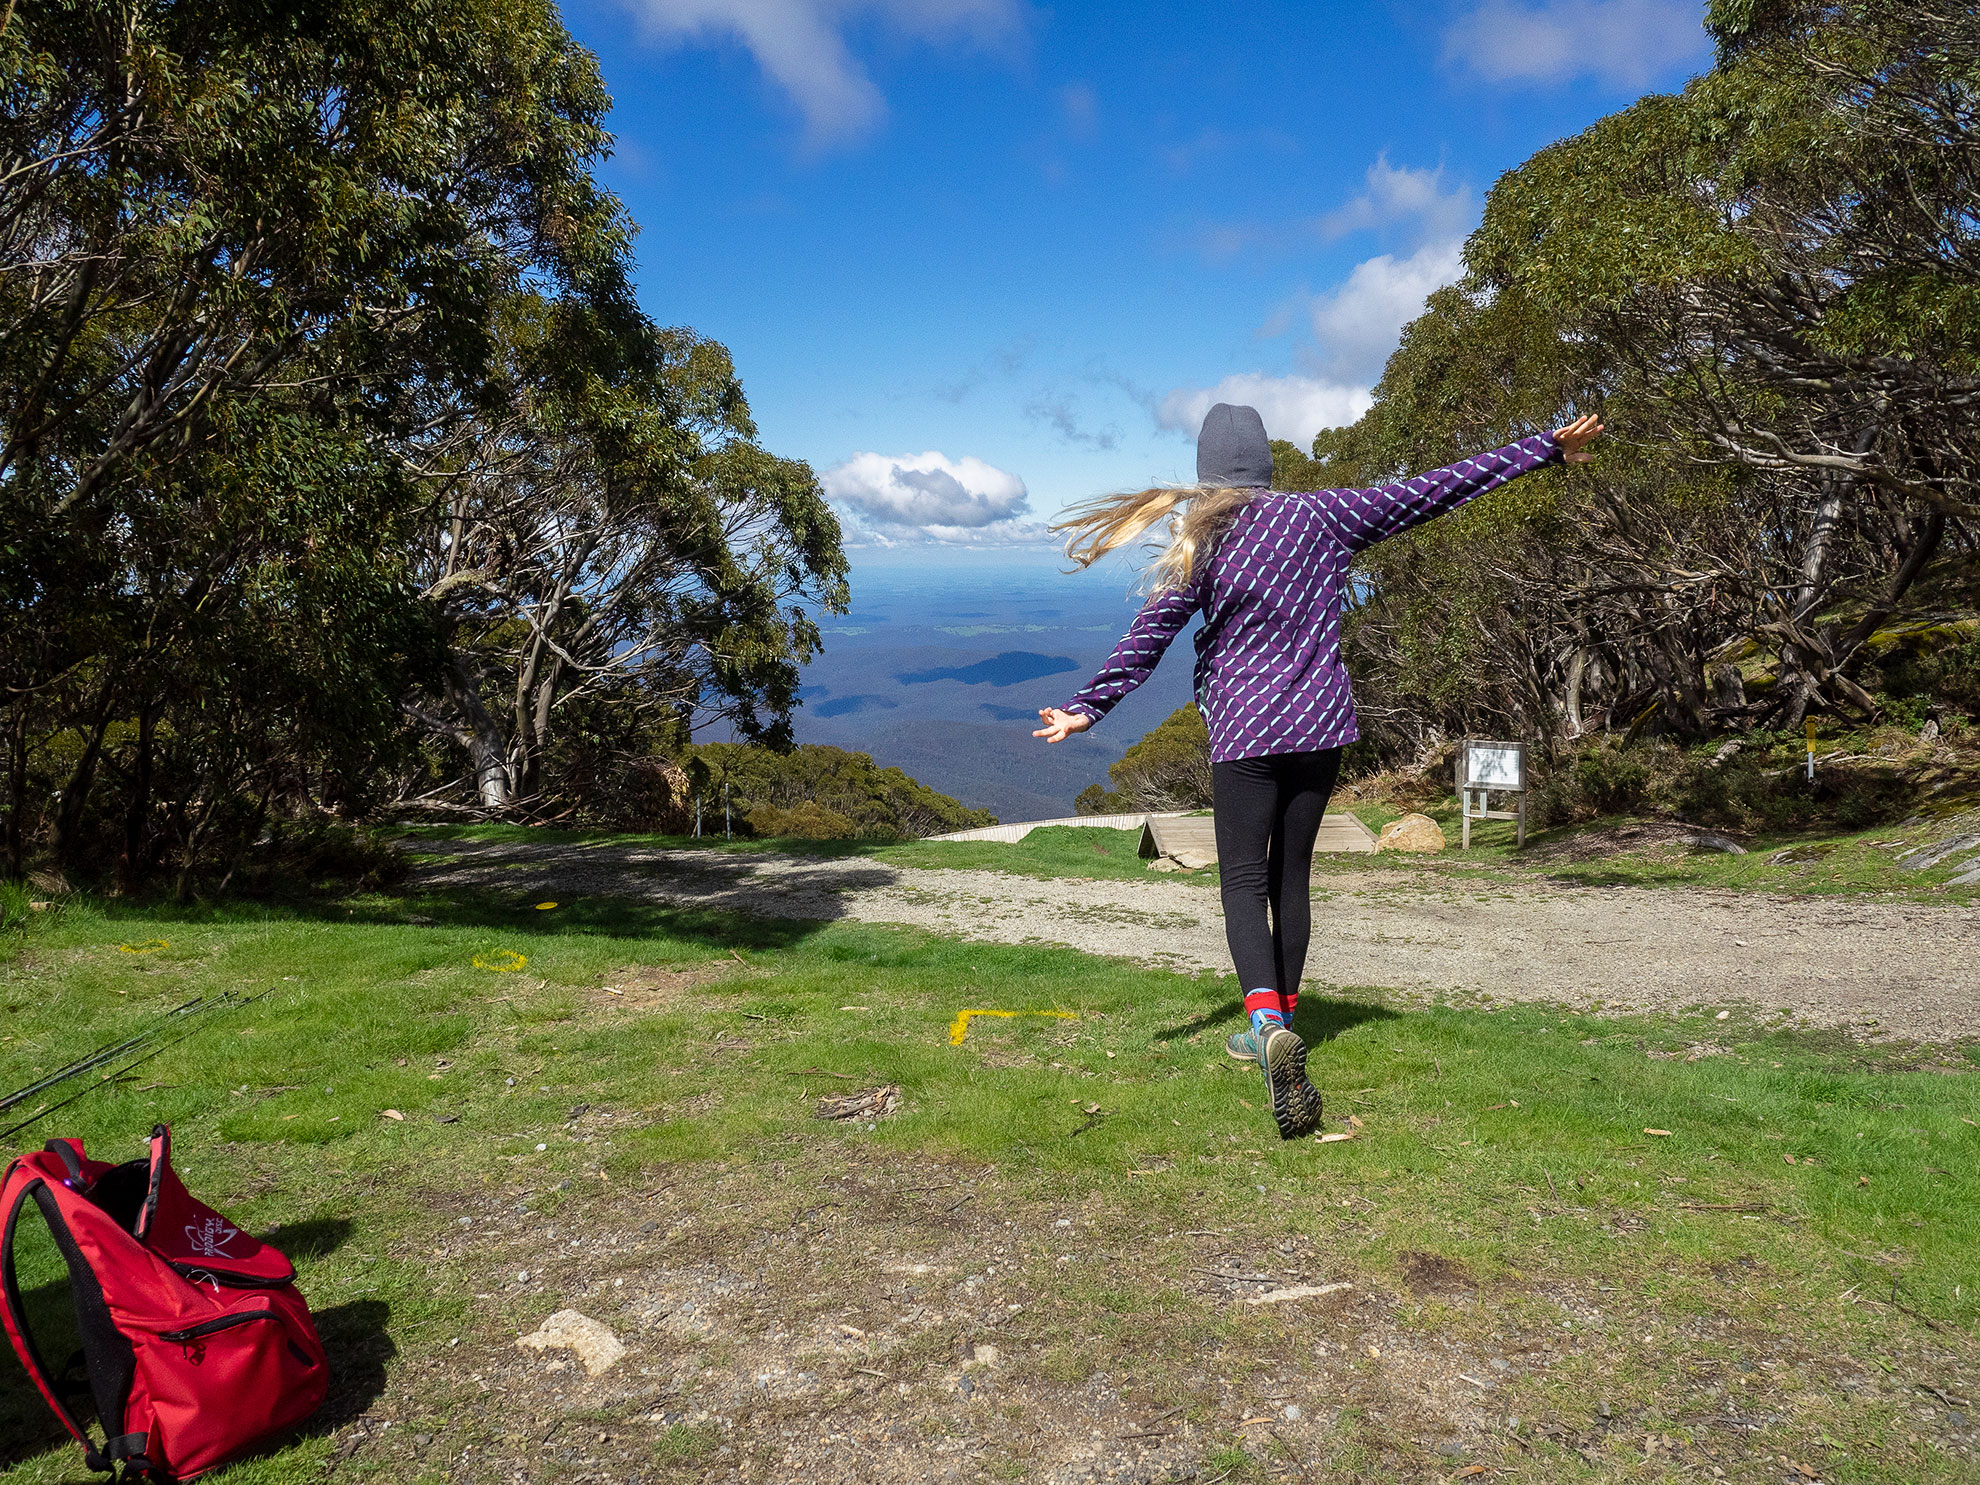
<point x="1485" y="769"/>
<point x="1808" y="730"/>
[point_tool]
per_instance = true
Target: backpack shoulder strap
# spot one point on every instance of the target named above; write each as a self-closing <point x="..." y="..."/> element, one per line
<point x="106" y="1350"/>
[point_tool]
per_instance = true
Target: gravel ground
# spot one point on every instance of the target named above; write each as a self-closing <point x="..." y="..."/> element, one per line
<point x="1879" y="968"/>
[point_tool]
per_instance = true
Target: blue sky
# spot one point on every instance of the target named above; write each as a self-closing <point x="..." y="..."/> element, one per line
<point x="978" y="258"/>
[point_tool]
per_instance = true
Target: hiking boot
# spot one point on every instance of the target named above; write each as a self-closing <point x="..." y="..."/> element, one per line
<point x="1242" y="1045"/>
<point x="1295" y="1101"/>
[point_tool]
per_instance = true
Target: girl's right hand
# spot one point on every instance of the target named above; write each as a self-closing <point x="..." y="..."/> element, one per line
<point x="1060" y="725"/>
<point x="1575" y="438"/>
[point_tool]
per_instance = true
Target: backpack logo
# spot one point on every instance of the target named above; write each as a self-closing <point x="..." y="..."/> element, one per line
<point x="210" y="1238"/>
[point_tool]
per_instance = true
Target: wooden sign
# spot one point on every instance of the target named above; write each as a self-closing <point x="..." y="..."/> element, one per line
<point x="1486" y="768"/>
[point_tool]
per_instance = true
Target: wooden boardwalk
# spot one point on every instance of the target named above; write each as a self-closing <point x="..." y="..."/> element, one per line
<point x="1191" y="840"/>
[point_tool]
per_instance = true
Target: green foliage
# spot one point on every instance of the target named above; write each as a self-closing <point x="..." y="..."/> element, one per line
<point x="1600" y="778"/>
<point x="337" y="458"/>
<point x="1098" y="799"/>
<point x="1292" y="469"/>
<point x="820" y="793"/>
<point x="1168" y="769"/>
<point x="1767" y="285"/>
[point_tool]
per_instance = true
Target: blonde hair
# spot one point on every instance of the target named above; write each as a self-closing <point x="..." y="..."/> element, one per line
<point x="1198" y="516"/>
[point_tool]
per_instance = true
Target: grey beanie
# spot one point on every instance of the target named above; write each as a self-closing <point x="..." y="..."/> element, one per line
<point x="1232" y="449"/>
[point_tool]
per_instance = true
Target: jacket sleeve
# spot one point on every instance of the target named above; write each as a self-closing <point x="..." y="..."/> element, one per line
<point x="1161" y="619"/>
<point x="1363" y="517"/>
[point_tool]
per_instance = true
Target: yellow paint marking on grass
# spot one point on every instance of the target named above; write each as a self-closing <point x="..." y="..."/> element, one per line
<point x="149" y="946"/>
<point x="517" y="962"/>
<point x="959" y="1028"/>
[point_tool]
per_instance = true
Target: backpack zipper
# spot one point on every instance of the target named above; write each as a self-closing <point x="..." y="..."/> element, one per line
<point x="225" y="1322"/>
<point x="225" y="1278"/>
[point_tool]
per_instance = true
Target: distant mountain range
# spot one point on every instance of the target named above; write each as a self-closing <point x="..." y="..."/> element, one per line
<point x="946" y="659"/>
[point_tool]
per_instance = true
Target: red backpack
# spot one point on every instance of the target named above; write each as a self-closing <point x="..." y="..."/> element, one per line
<point x="196" y="1341"/>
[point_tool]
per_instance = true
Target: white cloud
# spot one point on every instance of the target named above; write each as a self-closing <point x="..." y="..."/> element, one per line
<point x="1294" y="407"/>
<point x="1081" y="106"/>
<point x="800" y="45"/>
<point x="907" y="495"/>
<point x="1629" y="43"/>
<point x="1357" y="326"/>
<point x="1402" y="195"/>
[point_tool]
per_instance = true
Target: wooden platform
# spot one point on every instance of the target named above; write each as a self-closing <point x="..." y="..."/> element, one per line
<point x="1191" y="840"/>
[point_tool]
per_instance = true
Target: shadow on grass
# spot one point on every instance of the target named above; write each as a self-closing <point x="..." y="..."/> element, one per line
<point x="27" y="1424"/>
<point x="317" y="1238"/>
<point x="596" y="916"/>
<point x="358" y="1345"/>
<point x="1320" y="1018"/>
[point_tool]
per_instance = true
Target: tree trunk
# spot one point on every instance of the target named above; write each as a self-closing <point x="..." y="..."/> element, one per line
<point x="488" y="753"/>
<point x="17" y="794"/>
<point x="137" y="816"/>
<point x="68" y="819"/>
<point x="1577" y="667"/>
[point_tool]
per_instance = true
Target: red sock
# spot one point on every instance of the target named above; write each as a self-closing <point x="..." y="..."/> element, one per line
<point x="1263" y="1000"/>
<point x="1292" y="1004"/>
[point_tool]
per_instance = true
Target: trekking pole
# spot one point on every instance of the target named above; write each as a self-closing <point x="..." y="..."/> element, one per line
<point x="102" y="1054"/>
<point x="226" y="1001"/>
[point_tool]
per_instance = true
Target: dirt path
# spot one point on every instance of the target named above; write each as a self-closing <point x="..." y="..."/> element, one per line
<point x="1887" y="968"/>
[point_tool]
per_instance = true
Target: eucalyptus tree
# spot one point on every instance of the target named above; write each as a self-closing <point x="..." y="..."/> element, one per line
<point x="1771" y="284"/>
<point x="243" y="247"/>
<point x="606" y="532"/>
<point x="1783" y="266"/>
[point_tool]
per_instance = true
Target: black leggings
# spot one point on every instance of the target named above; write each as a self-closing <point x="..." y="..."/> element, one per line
<point x="1268" y="812"/>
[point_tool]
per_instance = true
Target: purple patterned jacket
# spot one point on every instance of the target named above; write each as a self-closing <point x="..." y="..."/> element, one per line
<point x="1269" y="676"/>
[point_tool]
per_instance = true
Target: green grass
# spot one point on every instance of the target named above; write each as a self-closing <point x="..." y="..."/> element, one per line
<point x="1055" y="851"/>
<point x="1509" y="1140"/>
<point x="1853" y="863"/>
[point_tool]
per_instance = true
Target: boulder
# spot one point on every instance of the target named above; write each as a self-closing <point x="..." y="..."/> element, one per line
<point x="1411" y="833"/>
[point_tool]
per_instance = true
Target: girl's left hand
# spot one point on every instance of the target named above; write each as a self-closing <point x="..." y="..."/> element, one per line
<point x="1060" y="725"/>
<point x="1575" y="438"/>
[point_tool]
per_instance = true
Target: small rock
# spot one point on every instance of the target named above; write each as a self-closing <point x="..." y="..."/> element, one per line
<point x="964" y="1385"/>
<point x="1706" y="840"/>
<point x="1416" y="833"/>
<point x="1451" y="1449"/>
<point x="568" y="1330"/>
<point x="984" y="1355"/>
<point x="1292" y="1412"/>
<point x="422" y="1439"/>
<point x="1924" y="858"/>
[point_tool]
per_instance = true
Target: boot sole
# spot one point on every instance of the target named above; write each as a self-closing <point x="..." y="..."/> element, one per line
<point x="1295" y="1101"/>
